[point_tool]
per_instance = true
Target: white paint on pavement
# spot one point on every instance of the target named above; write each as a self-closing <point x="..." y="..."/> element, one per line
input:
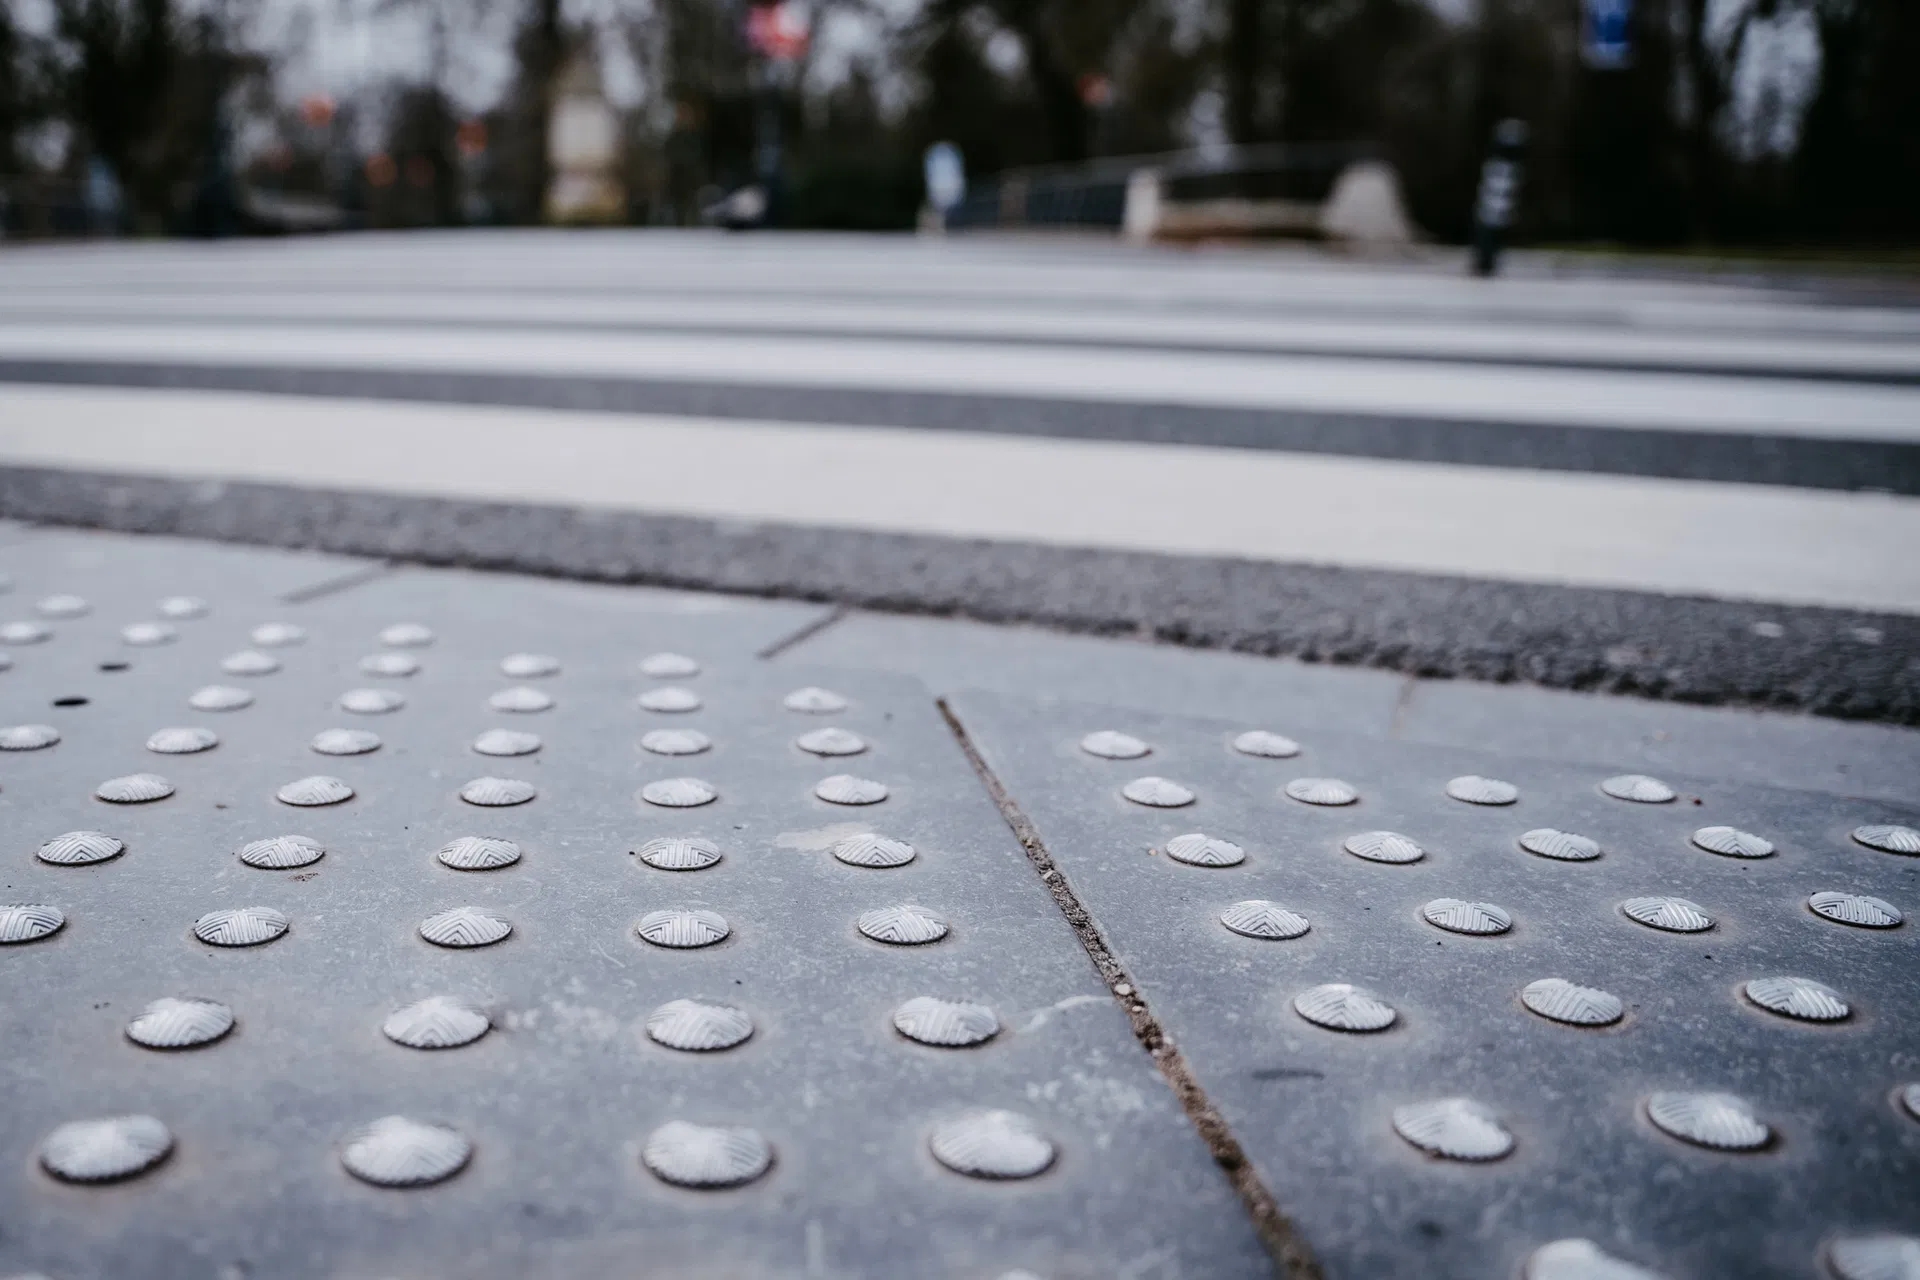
<point x="1726" y="540"/>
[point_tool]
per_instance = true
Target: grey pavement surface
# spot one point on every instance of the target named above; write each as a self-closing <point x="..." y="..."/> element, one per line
<point x="559" y="1098"/>
<point x="1315" y="1108"/>
<point x="1738" y="745"/>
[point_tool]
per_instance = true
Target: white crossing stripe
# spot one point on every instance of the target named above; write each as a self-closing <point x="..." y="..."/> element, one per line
<point x="1724" y="540"/>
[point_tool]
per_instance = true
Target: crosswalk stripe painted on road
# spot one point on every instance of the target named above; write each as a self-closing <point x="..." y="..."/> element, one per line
<point x="1721" y="540"/>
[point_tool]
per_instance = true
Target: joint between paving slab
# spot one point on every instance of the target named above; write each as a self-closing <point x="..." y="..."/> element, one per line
<point x="805" y="633"/>
<point x="358" y="576"/>
<point x="1291" y="1256"/>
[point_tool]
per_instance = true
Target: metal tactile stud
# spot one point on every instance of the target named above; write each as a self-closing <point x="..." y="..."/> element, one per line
<point x="902" y="926"/>
<point x="1855" y="909"/>
<point x="181" y="608"/>
<point x="134" y="788"/>
<point x="679" y="793"/>
<point x="28" y="737"/>
<point x="679" y="853"/>
<point x="1910" y="1099"/>
<point x="219" y="697"/>
<point x="24" y="632"/>
<point x="169" y="1023"/>
<point x="1456" y="1128"/>
<point x="675" y="742"/>
<point x="105" y="1150"/>
<point x="145" y="635"/>
<point x="345" y="742"/>
<point x="478" y="853"/>
<point x="1258" y="918"/>
<point x="814" y="700"/>
<point x="1197" y="850"/>
<point x="683" y="928"/>
<point x="80" y="849"/>
<point x="28" y="922"/>
<point x="314" y="790"/>
<point x="63" y="606"/>
<point x="1639" y="788"/>
<point x="992" y="1144"/>
<point x="945" y="1024"/>
<point x="507" y="742"/>
<point x="671" y="699"/>
<point x="1875" y="1257"/>
<point x="394" y="1151"/>
<point x="1731" y="842"/>
<point x="1157" y="793"/>
<point x="6" y="662"/>
<point x="529" y="666"/>
<point x="249" y="662"/>
<point x="695" y="1026"/>
<point x="1321" y="791"/>
<point x="390" y="665"/>
<point x="1801" y="998"/>
<point x="464" y="927"/>
<point x="521" y="699"/>
<point x="1889" y="838"/>
<point x="870" y="850"/>
<point x="281" y="853"/>
<point x="183" y="741"/>
<point x="831" y="742"/>
<point x="1383" y="846"/>
<point x="1561" y="1001"/>
<point x="438" y="1022"/>
<point x="1340" y="1006"/>
<point x="406" y="635"/>
<point x="1456" y="916"/>
<point x="1717" y="1120"/>
<point x="845" y="788"/>
<point x="240" y="926"/>
<point x="1111" y="744"/>
<point x="1474" y="789"/>
<point x="1562" y="846"/>
<point x="706" y="1157"/>
<point x="1674" y="915"/>
<point x="1271" y="746"/>
<point x="669" y="666"/>
<point x="498" y="792"/>
<point x="277" y="635"/>
<point x="1577" y="1259"/>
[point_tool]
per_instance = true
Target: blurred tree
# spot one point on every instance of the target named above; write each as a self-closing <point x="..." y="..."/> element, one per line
<point x="1857" y="169"/>
<point x="15" y="106"/>
<point x="144" y="91"/>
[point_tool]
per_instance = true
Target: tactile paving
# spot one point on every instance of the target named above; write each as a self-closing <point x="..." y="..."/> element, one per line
<point x="455" y="1047"/>
<point x="1700" y="1104"/>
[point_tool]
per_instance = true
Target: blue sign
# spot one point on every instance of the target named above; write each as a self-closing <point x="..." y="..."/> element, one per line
<point x="1605" y="41"/>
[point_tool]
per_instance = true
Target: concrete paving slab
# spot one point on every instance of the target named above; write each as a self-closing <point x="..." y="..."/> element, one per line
<point x="1562" y="1126"/>
<point x="1765" y="748"/>
<point x="564" y="1097"/>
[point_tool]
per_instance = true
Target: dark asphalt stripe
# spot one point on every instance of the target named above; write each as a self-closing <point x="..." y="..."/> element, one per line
<point x="1828" y="661"/>
<point x="1798" y="461"/>
<point x="1068" y="341"/>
